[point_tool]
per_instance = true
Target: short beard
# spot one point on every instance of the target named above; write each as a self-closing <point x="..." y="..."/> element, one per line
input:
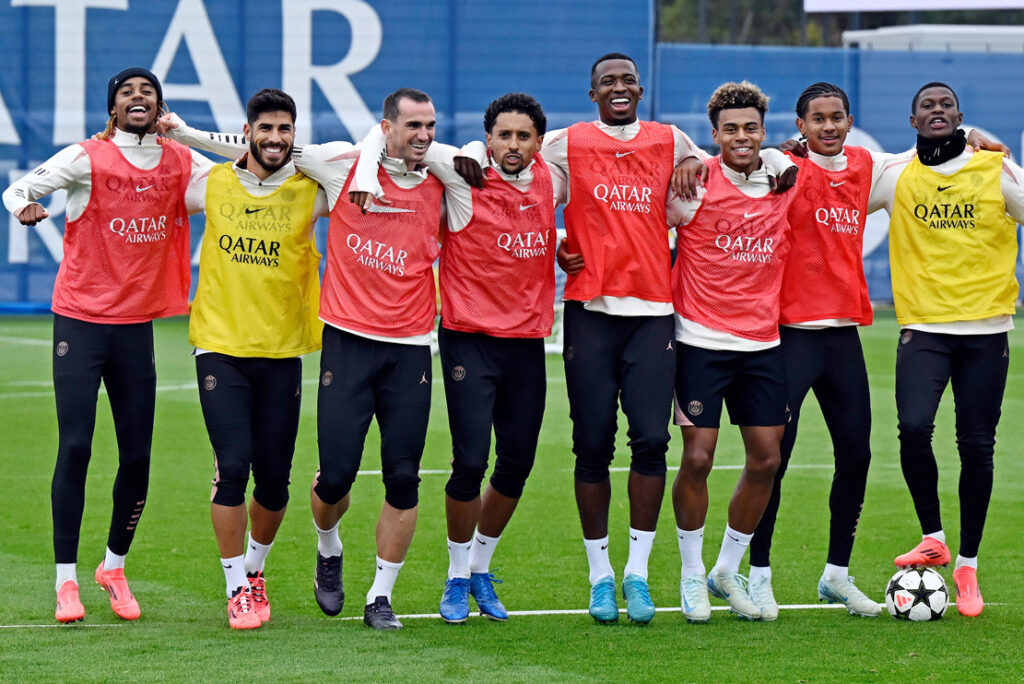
<point x="254" y="151"/>
<point x="138" y="130"/>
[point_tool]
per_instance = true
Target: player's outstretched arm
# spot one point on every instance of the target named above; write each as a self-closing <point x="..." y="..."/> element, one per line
<point x="228" y="145"/>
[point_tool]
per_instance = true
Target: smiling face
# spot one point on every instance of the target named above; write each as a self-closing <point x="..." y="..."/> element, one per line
<point x="616" y="90"/>
<point x="411" y="133"/>
<point x="740" y="133"/>
<point x="513" y="141"/>
<point x="825" y="125"/>
<point x="936" y="114"/>
<point x="135" y="106"/>
<point x="271" y="138"/>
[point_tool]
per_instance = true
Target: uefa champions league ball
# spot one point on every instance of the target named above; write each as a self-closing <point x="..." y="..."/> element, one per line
<point x="917" y="594"/>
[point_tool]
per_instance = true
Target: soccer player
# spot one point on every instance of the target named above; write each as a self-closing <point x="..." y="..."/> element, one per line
<point x="613" y="176"/>
<point x="254" y="315"/>
<point x="497" y="294"/>
<point x="126" y="262"/>
<point x="726" y="282"/>
<point x="952" y="252"/>
<point x="819" y="341"/>
<point x="378" y="301"/>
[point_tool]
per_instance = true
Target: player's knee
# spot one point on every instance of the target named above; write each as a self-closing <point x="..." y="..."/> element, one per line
<point x="976" y="459"/>
<point x="592" y="468"/>
<point x="697" y="462"/>
<point x="509" y="477"/>
<point x="648" y="463"/>
<point x="228" y="492"/>
<point x="271" y="495"/>
<point x="650" y="445"/>
<point x="332" y="484"/>
<point x="914" y="431"/>
<point x="464" y="485"/>
<point x="763" y="464"/>
<point x="401" y="486"/>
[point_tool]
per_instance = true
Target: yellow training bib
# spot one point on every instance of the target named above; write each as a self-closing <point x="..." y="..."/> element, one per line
<point x="259" y="280"/>
<point x="952" y="247"/>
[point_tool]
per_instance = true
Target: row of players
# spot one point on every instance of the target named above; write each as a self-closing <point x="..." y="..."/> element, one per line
<point x="636" y="330"/>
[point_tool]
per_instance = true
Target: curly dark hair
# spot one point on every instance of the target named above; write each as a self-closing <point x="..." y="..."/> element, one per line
<point x="736" y="96"/>
<point x="516" y="102"/>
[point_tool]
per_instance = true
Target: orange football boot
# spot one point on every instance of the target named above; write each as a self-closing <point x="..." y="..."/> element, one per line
<point x="968" y="596"/>
<point x="242" y="611"/>
<point x="69" y="606"/>
<point x="121" y="600"/>
<point x="929" y="553"/>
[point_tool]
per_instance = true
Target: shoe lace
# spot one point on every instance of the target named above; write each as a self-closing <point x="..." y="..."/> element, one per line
<point x="329" y="573"/>
<point x="742" y="582"/>
<point x="693" y="587"/>
<point x="604" y="591"/>
<point x="640" y="590"/>
<point x="760" y="591"/>
<point x="383" y="608"/>
<point x="258" y="589"/>
<point x="242" y="601"/>
<point x="486" y="590"/>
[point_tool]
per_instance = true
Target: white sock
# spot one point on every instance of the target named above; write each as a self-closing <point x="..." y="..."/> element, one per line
<point x="640" y="543"/>
<point x="833" y="572"/>
<point x="961" y="562"/>
<point x="112" y="561"/>
<point x="734" y="545"/>
<point x="384" y="580"/>
<point x="597" y="557"/>
<point x="458" y="559"/>
<point x="691" y="547"/>
<point x="66" y="573"/>
<point x="256" y="556"/>
<point x="940" y="535"/>
<point x="481" y="552"/>
<point x="328" y="543"/>
<point x="760" y="572"/>
<point x="234" y="574"/>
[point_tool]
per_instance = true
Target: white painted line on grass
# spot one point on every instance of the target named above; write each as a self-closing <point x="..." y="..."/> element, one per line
<point x="584" y="611"/>
<point x="814" y="466"/>
<point x="58" y="626"/>
<point x="26" y="340"/>
<point x="422" y="472"/>
<point x="622" y="611"/>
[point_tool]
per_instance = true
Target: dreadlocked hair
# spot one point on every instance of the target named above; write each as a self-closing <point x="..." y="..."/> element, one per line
<point x="820" y="89"/>
<point x="736" y="96"/>
<point x="109" y="130"/>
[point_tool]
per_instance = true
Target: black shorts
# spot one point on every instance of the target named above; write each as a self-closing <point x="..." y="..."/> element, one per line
<point x="251" y="410"/>
<point x="497" y="382"/>
<point x="753" y="385"/>
<point x="361" y="379"/>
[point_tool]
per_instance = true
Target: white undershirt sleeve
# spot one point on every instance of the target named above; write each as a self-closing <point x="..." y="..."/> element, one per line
<point x="68" y="168"/>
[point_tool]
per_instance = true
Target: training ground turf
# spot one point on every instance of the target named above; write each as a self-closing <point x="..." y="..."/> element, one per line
<point x="175" y="574"/>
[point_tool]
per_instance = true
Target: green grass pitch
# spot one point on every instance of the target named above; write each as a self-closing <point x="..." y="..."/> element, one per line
<point x="175" y="573"/>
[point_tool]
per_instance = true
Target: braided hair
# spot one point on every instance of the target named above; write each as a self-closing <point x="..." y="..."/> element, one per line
<point x="820" y="89"/>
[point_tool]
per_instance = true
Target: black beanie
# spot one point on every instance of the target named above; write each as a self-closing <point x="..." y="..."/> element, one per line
<point x="116" y="82"/>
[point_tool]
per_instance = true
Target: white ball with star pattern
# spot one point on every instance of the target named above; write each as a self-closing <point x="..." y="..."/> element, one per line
<point x="917" y="594"/>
